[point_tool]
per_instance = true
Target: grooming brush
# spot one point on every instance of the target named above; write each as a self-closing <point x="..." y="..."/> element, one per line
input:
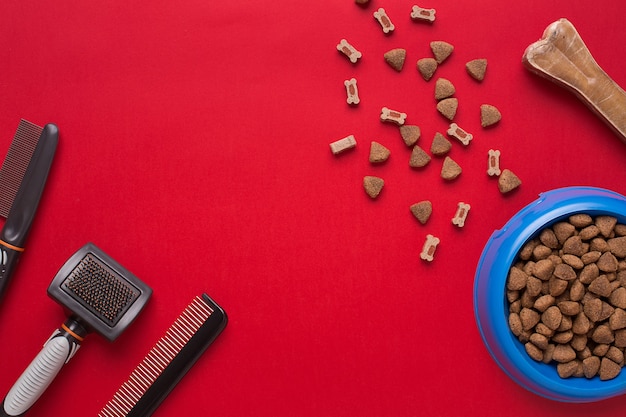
<point x="169" y="360"/>
<point x="101" y="296"/>
<point x="22" y="180"/>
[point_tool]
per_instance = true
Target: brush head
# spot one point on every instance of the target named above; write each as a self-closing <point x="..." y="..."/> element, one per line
<point x="100" y="292"/>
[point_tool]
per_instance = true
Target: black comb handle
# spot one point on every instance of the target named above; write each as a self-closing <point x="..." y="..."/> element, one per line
<point x="56" y="352"/>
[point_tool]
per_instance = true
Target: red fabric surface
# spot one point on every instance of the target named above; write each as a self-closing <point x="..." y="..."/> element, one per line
<point x="194" y="150"/>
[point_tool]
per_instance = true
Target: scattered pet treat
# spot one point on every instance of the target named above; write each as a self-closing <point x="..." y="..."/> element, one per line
<point x="422" y="211"/>
<point x="450" y="169"/>
<point x="352" y="91"/>
<point x="448" y="107"/>
<point x="508" y="181"/>
<point x="378" y="153"/>
<point x="421" y="14"/>
<point x="349" y="51"/>
<point x="443" y="89"/>
<point x="419" y="157"/>
<point x="395" y="58"/>
<point x="373" y="185"/>
<point x="566" y="304"/>
<point x="476" y="68"/>
<point x="388" y="115"/>
<point x="489" y="115"/>
<point x="441" y="50"/>
<point x="343" y="145"/>
<point x="430" y="246"/>
<point x="440" y="145"/>
<point x="361" y="2"/>
<point x="384" y="20"/>
<point x="461" y="214"/>
<point x="493" y="168"/>
<point x="427" y="67"/>
<point x="455" y="131"/>
<point x="410" y="134"/>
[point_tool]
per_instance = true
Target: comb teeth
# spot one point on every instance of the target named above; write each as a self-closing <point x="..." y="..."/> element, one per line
<point x="100" y="289"/>
<point x="16" y="162"/>
<point x="159" y="358"/>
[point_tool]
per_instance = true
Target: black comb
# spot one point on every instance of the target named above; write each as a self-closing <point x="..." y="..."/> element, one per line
<point x="169" y="360"/>
<point x="101" y="296"/>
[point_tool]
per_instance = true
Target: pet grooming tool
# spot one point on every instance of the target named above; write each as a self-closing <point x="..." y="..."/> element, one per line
<point x="101" y="296"/>
<point x="22" y="180"/>
<point x="169" y="360"/>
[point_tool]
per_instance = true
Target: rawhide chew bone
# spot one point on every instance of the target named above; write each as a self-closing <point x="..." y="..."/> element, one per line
<point x="493" y="168"/>
<point x="419" y="13"/>
<point x="461" y="214"/>
<point x="457" y="132"/>
<point x="430" y="246"/>
<point x="562" y="57"/>
<point x="393" y="116"/>
<point x="349" y="51"/>
<point x="352" y="91"/>
<point x="383" y="19"/>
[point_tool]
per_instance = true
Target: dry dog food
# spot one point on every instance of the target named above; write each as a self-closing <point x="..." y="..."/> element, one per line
<point x="352" y="91"/>
<point x="373" y="185"/>
<point x="508" y="181"/>
<point x="393" y="116"/>
<point x="489" y="115"/>
<point x="410" y="134"/>
<point x="427" y="67"/>
<point x="378" y="153"/>
<point x="429" y="248"/>
<point x="383" y="19"/>
<point x="419" y="157"/>
<point x="421" y="14"/>
<point x="343" y="145"/>
<point x="450" y="169"/>
<point x="462" y="209"/>
<point x="441" y="50"/>
<point x="448" y="107"/>
<point x="422" y="211"/>
<point x="440" y="145"/>
<point x="457" y="132"/>
<point x="567" y="296"/>
<point x="493" y="164"/>
<point x="395" y="58"/>
<point x="349" y="51"/>
<point x="477" y="68"/>
<point x="443" y="89"/>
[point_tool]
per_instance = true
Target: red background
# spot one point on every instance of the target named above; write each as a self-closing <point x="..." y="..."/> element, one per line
<point x="194" y="150"/>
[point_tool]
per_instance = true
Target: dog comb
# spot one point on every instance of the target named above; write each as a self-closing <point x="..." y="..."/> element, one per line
<point x="102" y="296"/>
<point x="169" y="360"/>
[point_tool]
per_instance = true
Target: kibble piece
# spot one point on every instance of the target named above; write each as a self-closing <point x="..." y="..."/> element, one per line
<point x="544" y="330"/>
<point x="589" y="273"/>
<point x="441" y="50"/>
<point x="556" y="286"/>
<point x="579" y="343"/>
<point x="601" y="286"/>
<point x="534" y="286"/>
<point x="567" y="369"/>
<point x="589" y="232"/>
<point x="448" y="107"/>
<point x="548" y="238"/>
<point x="576" y="290"/>
<point x="450" y="169"/>
<point x="608" y="369"/>
<point x="590" y="257"/>
<point x="618" y="298"/>
<point x="373" y="185"/>
<point x="564" y="272"/>
<point x="591" y="366"/>
<point x="552" y="317"/>
<point x="617" y="320"/>
<point x="617" y="246"/>
<point x="574" y="246"/>
<point x="603" y="334"/>
<point x="410" y="134"/>
<point x="395" y="58"/>
<point x="378" y="153"/>
<point x="593" y="309"/>
<point x="422" y="210"/>
<point x="542" y="303"/>
<point x="620" y="338"/>
<point x="529" y="318"/>
<point x="361" y="1"/>
<point x="607" y="262"/>
<point x="574" y="261"/>
<point x="563" y="337"/>
<point x="508" y="181"/>
<point x="343" y="145"/>
<point x="534" y="351"/>
<point x="563" y="353"/>
<point x="569" y="308"/>
<point x="599" y="244"/>
<point x="489" y="115"/>
<point x="517" y="279"/>
<point x="541" y="252"/>
<point x="580" y="220"/>
<point x="581" y="324"/>
<point x="539" y="340"/>
<point x="606" y="224"/>
<point x="477" y="68"/>
<point x="419" y="157"/>
<point x="563" y="230"/>
<point x="427" y="67"/>
<point x="440" y="145"/>
<point x="615" y="354"/>
<point x="443" y="89"/>
<point x="543" y="269"/>
<point x="515" y="324"/>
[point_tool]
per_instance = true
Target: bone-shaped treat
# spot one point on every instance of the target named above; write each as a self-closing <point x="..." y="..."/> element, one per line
<point x="352" y="91"/>
<point x="383" y="19"/>
<point x="343" y="145"/>
<point x="455" y="131"/>
<point x="393" y="116"/>
<point x="348" y="50"/>
<point x="419" y="13"/>
<point x="430" y="246"/>
<point x="493" y="168"/>
<point x="461" y="214"/>
<point x="562" y="57"/>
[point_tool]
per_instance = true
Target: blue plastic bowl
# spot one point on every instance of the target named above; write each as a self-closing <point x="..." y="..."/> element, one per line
<point x="491" y="306"/>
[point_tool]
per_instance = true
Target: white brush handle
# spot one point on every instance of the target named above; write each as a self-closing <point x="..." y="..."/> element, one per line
<point x="56" y="352"/>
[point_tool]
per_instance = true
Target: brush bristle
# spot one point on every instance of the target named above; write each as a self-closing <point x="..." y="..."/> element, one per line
<point x="100" y="289"/>
<point x="16" y="162"/>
